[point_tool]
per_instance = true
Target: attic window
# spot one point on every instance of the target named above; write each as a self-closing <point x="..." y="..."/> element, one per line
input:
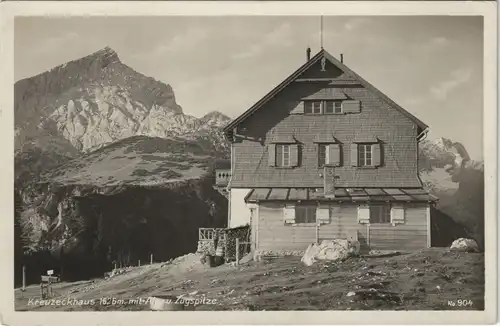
<point x="323" y="106"/>
<point x="332" y="107"/>
<point x="312" y="107"/>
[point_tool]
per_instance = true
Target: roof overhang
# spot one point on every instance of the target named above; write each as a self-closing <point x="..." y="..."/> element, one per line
<point x="340" y="195"/>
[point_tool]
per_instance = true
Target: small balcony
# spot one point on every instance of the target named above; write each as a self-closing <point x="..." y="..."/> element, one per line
<point x="222" y="177"/>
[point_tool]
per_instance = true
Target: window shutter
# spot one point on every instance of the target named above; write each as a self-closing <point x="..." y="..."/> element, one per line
<point x="376" y="155"/>
<point x="294" y="155"/>
<point x="354" y="154"/>
<point x="289" y="214"/>
<point x="334" y="154"/>
<point x="323" y="214"/>
<point x="397" y="214"/>
<point x="351" y="106"/>
<point x="272" y="154"/>
<point x="363" y="214"/>
<point x="299" y="109"/>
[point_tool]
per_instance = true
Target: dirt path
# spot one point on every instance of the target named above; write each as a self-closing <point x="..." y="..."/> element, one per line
<point x="432" y="280"/>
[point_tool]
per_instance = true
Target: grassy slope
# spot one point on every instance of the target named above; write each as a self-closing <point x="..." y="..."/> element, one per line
<point x="137" y="160"/>
<point x="407" y="282"/>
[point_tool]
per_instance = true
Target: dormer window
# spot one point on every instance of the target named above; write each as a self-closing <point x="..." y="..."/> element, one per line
<point x="312" y="107"/>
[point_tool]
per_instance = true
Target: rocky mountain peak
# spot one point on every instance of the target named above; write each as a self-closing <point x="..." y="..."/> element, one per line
<point x="105" y="57"/>
<point x="96" y="100"/>
<point x="215" y="118"/>
<point x="106" y="52"/>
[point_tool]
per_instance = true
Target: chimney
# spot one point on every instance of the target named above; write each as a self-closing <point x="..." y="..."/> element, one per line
<point x="308" y="53"/>
<point x="341" y="58"/>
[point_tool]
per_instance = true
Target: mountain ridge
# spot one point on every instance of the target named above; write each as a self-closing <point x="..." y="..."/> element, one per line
<point x="96" y="100"/>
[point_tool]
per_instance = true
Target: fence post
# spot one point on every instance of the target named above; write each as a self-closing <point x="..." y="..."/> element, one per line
<point x="237" y="251"/>
<point x="368" y="234"/>
<point x="151" y="260"/>
<point x="24" y="278"/>
<point x="139" y="262"/>
<point x="49" y="289"/>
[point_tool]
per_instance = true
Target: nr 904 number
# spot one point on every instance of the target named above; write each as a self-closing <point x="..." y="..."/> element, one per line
<point x="460" y="303"/>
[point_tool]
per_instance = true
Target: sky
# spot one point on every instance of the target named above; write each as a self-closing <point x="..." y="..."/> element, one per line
<point x="430" y="65"/>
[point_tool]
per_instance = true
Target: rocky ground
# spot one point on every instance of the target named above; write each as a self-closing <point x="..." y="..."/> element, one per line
<point x="433" y="279"/>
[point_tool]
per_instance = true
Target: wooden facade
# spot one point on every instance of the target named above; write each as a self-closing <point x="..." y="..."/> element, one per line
<point x="271" y="234"/>
<point x="277" y="122"/>
<point x="325" y="128"/>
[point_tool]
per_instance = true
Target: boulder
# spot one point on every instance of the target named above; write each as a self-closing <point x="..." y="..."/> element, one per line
<point x="330" y="250"/>
<point x="463" y="244"/>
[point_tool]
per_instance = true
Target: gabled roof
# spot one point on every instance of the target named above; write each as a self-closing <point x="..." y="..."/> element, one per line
<point x="306" y="66"/>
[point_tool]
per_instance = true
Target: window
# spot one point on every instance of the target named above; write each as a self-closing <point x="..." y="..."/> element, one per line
<point x="305" y="213"/>
<point x="332" y="107"/>
<point x="312" y="107"/>
<point x="364" y="154"/>
<point x="329" y="154"/>
<point x="322" y="153"/>
<point x="282" y="155"/>
<point x="380" y="213"/>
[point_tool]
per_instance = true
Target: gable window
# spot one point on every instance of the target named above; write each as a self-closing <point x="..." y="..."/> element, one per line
<point x="380" y="213"/>
<point x="312" y="107"/>
<point x="332" y="107"/>
<point x="364" y="154"/>
<point x="305" y="213"/>
<point x="282" y="155"/>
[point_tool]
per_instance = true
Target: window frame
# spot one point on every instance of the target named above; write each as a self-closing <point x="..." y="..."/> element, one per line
<point x="312" y="103"/>
<point x="335" y="102"/>
<point x="311" y="216"/>
<point x="280" y="156"/>
<point x="363" y="154"/>
<point x="325" y="147"/>
<point x="384" y="209"/>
